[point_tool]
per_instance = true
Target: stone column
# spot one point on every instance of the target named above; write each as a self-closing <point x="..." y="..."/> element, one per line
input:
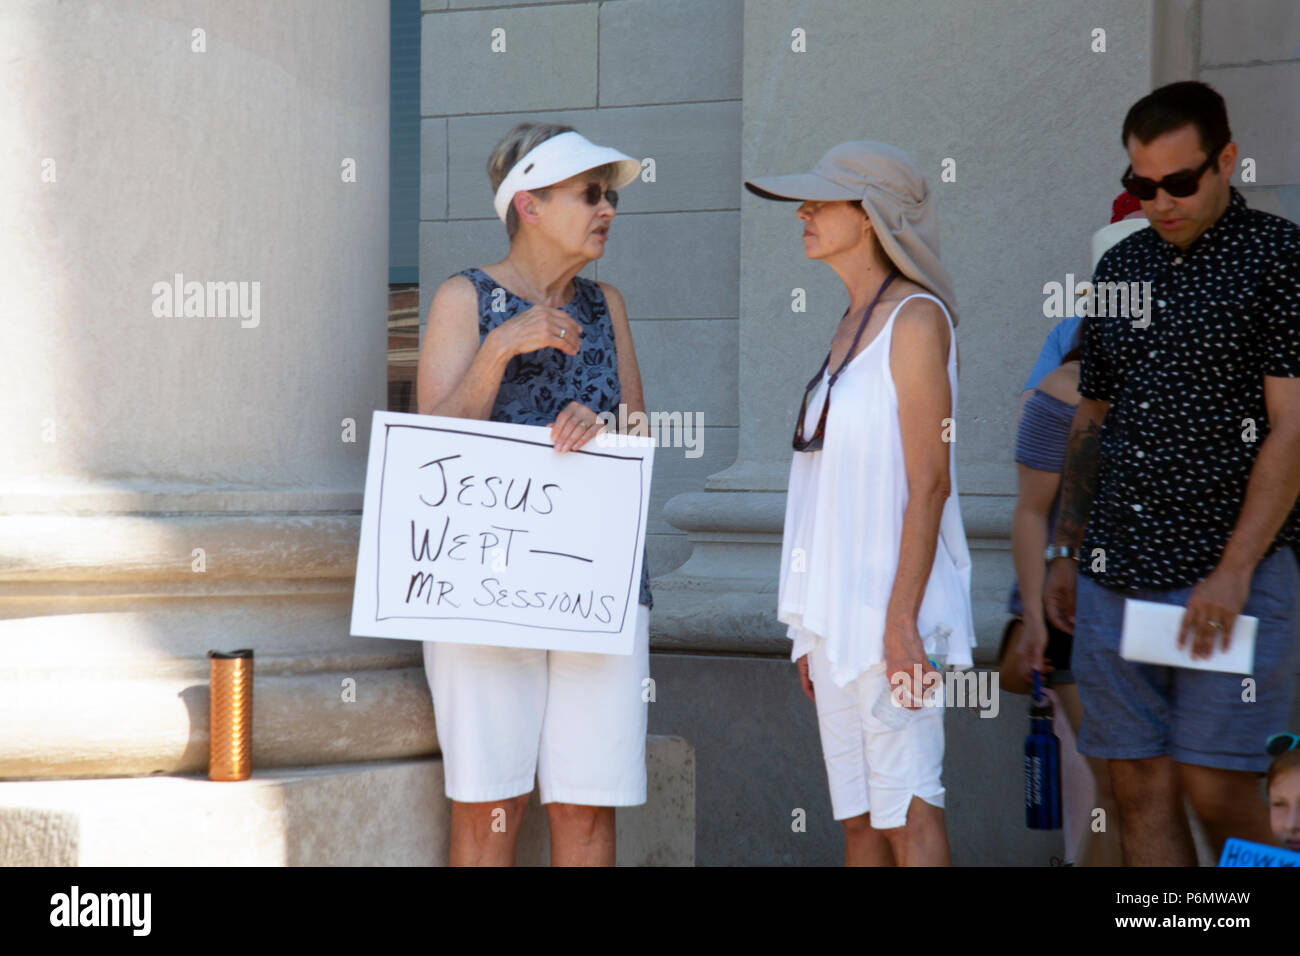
<point x="179" y="475"/>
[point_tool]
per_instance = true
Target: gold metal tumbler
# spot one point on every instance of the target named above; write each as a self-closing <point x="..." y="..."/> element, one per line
<point x="230" y="719"/>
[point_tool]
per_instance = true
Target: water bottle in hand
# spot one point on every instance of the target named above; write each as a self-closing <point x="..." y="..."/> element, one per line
<point x="894" y="715"/>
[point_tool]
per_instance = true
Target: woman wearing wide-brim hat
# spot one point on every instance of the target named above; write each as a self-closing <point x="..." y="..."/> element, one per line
<point x="874" y="556"/>
<point x="528" y="340"/>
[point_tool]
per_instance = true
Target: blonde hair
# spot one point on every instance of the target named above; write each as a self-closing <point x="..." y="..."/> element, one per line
<point x="517" y="143"/>
<point x="1286" y="760"/>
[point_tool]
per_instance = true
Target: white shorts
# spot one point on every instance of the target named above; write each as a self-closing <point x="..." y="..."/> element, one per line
<point x="869" y="767"/>
<point x="577" y="721"/>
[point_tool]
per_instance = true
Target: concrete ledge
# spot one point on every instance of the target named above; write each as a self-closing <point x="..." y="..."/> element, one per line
<point x="380" y="813"/>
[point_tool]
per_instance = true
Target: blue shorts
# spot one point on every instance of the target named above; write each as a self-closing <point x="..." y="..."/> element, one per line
<point x="1132" y="711"/>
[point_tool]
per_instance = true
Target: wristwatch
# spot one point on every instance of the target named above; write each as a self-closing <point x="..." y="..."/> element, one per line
<point x="1059" y="551"/>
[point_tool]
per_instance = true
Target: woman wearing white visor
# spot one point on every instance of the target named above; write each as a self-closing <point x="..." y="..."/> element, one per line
<point x="874" y="556"/>
<point x="528" y="340"/>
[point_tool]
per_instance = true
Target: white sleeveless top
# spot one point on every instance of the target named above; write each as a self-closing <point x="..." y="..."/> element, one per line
<point x="844" y="521"/>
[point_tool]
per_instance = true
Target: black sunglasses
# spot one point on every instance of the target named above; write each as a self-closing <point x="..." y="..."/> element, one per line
<point x="815" y="442"/>
<point x="1180" y="185"/>
<point x="1281" y="743"/>
<point x="593" y="192"/>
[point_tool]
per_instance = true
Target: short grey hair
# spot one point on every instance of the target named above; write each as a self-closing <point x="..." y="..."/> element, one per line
<point x="516" y="143"/>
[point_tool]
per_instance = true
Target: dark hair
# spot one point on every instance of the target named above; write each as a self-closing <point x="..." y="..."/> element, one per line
<point x="1174" y="106"/>
<point x="875" y="238"/>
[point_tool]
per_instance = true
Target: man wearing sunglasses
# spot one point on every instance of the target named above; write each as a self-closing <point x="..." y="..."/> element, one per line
<point x="1184" y="464"/>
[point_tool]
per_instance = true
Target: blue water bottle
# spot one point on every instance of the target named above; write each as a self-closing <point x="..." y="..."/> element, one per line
<point x="1042" y="765"/>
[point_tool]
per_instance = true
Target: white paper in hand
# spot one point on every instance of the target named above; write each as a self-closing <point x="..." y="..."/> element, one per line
<point x="1150" y="636"/>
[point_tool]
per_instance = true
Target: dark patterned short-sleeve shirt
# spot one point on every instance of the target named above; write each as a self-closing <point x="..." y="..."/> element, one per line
<point x="538" y="385"/>
<point x="1187" y="415"/>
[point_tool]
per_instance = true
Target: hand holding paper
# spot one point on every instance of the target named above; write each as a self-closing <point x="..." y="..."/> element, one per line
<point x="1151" y="631"/>
<point x="1213" y="604"/>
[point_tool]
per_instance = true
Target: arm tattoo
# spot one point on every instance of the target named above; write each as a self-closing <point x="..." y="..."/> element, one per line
<point x="1078" y="483"/>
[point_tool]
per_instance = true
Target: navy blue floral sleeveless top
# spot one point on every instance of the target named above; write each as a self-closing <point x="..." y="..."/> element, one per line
<point x="538" y="385"/>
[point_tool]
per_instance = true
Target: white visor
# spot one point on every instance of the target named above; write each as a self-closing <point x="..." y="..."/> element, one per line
<point x="555" y="160"/>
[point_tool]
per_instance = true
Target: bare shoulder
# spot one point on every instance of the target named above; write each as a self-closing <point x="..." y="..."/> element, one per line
<point x="612" y="296"/>
<point x="902" y="287"/>
<point x="921" y="325"/>
<point x="453" y="316"/>
<point x="918" y="296"/>
<point x="1062" y="382"/>
<point x="455" y="300"/>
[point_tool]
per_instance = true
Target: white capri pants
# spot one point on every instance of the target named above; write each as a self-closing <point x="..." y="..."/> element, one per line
<point x="869" y="767"/>
<point x="577" y="721"/>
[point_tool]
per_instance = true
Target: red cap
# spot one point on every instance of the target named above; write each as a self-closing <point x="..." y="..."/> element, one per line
<point x="1124" y="204"/>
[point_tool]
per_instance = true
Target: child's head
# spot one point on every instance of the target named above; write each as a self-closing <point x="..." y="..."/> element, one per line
<point x="1284" y="793"/>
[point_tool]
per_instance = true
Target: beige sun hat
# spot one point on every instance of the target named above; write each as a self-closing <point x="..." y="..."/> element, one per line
<point x="895" y="196"/>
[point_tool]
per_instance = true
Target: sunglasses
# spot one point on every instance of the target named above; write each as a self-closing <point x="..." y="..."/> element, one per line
<point x="1281" y="743"/>
<point x="593" y="192"/>
<point x="1179" y="185"/>
<point x="815" y="442"/>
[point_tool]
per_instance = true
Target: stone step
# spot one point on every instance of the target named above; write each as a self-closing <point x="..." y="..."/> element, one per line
<point x="377" y="813"/>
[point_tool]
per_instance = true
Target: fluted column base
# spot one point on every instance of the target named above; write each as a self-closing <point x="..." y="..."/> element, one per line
<point x="107" y="615"/>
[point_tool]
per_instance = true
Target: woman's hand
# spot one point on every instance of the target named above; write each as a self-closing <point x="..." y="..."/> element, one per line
<point x="804" y="680"/>
<point x="905" y="660"/>
<point x="1033" y="645"/>
<point x="575" y="426"/>
<point x="538" y="328"/>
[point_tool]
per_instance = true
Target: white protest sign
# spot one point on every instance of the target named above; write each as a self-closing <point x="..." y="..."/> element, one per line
<point x="479" y="532"/>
